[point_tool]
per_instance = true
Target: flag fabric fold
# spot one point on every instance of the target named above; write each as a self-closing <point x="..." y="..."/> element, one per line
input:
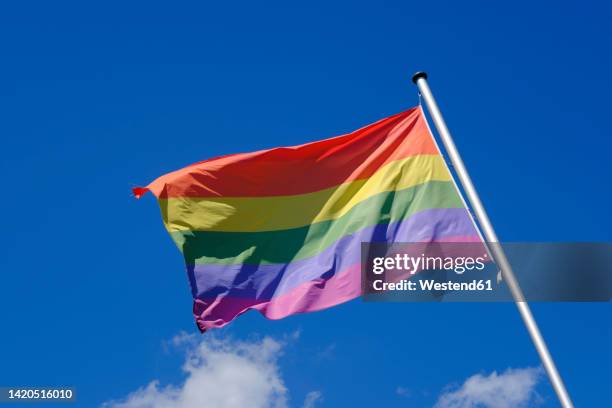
<point x="280" y="230"/>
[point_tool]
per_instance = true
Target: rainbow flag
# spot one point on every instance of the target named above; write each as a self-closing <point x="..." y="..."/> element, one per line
<point x="280" y="230"/>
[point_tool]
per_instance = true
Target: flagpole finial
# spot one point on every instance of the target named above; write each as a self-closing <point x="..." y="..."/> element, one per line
<point x="417" y="75"/>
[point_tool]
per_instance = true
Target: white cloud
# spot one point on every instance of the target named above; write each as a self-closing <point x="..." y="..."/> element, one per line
<point x="312" y="398"/>
<point x="219" y="374"/>
<point x="403" y="391"/>
<point x="514" y="388"/>
<point x="326" y="353"/>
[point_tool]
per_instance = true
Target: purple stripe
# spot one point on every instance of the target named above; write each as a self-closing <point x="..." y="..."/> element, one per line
<point x="309" y="297"/>
<point x="266" y="281"/>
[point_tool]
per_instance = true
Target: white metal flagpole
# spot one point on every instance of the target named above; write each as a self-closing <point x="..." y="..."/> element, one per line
<point x="420" y="79"/>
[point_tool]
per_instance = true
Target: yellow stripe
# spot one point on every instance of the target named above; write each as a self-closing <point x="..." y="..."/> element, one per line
<point x="251" y="214"/>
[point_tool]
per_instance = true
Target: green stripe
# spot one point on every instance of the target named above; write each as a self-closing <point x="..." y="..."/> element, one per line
<point x="214" y="247"/>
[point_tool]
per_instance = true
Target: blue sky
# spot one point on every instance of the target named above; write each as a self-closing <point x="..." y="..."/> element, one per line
<point x="98" y="98"/>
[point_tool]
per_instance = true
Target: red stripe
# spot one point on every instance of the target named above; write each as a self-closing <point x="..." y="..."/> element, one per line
<point x="301" y="169"/>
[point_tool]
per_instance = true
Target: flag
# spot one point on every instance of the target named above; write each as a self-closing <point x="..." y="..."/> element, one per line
<point x="280" y="230"/>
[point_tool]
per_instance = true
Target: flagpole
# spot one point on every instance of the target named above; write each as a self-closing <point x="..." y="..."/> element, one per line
<point x="420" y="79"/>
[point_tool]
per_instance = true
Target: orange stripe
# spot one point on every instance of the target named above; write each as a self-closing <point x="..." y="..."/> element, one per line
<point x="302" y="169"/>
<point x="273" y="213"/>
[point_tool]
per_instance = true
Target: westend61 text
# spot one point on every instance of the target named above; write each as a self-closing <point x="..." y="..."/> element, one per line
<point x="430" y="284"/>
